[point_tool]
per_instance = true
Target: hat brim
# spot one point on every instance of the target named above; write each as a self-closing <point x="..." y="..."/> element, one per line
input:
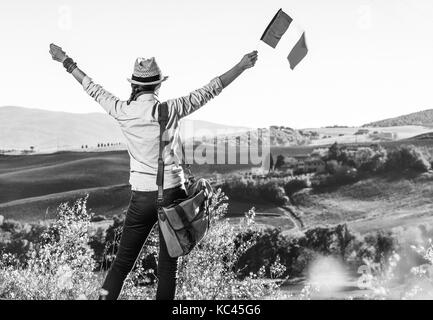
<point x="147" y="83"/>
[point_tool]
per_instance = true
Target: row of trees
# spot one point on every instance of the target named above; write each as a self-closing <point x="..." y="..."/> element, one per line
<point x="109" y="144"/>
<point x="102" y="145"/>
<point x="376" y="158"/>
<point x="345" y="165"/>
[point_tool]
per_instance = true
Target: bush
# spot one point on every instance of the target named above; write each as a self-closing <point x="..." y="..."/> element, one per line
<point x="370" y="160"/>
<point x="407" y="158"/>
<point x="234" y="261"/>
<point x="342" y="175"/>
<point x="295" y="185"/>
<point x="61" y="267"/>
<point x="255" y="190"/>
<point x="209" y="272"/>
<point x="19" y="239"/>
<point x="263" y="253"/>
<point x="295" y="252"/>
<point x="329" y="240"/>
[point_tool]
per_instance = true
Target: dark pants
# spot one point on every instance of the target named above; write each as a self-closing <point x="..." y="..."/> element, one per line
<point x="140" y="218"/>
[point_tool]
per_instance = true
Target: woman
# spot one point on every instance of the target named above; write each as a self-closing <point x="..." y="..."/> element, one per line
<point x="137" y="118"/>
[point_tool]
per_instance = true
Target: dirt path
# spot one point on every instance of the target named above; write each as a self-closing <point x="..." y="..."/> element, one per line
<point x="294" y="215"/>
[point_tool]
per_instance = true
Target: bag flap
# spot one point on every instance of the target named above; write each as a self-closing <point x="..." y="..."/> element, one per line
<point x="181" y="214"/>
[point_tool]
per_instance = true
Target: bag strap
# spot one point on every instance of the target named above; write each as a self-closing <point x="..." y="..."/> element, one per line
<point x="187" y="167"/>
<point x="162" y="120"/>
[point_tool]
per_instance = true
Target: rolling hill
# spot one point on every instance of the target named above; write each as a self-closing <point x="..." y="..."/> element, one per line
<point x="421" y="118"/>
<point x="21" y="128"/>
<point x="38" y="175"/>
<point x="32" y="186"/>
<point x="376" y="203"/>
<point x="45" y="130"/>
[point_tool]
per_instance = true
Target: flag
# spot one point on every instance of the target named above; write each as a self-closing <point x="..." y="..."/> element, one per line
<point x="276" y="28"/>
<point x="298" y="52"/>
<point x="283" y="25"/>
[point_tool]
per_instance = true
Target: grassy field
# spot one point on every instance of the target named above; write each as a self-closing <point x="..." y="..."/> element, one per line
<point x="347" y="135"/>
<point x="39" y="175"/>
<point x="372" y="204"/>
<point x="106" y="201"/>
<point x="303" y="150"/>
<point x="32" y="187"/>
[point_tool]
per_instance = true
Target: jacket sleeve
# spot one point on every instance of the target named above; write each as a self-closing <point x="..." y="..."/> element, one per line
<point x="108" y="101"/>
<point x="186" y="105"/>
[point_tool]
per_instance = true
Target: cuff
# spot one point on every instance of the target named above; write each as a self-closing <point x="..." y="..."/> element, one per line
<point x="86" y="82"/>
<point x="217" y="85"/>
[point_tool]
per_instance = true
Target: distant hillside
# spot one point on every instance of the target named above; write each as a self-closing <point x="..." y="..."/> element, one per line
<point x="421" y="118"/>
<point x="279" y="136"/>
<point x="200" y="128"/>
<point x="38" y="175"/>
<point x="425" y="136"/>
<point x="285" y="136"/>
<point x="21" y="128"/>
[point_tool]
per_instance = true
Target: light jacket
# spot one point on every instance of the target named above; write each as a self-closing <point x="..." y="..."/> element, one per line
<point x="139" y="124"/>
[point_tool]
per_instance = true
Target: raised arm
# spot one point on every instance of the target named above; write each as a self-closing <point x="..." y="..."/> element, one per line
<point x="109" y="102"/>
<point x="248" y="61"/>
<point x="188" y="104"/>
<point x="59" y="55"/>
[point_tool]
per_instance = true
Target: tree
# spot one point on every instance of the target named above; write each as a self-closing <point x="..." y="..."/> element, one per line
<point x="279" y="162"/>
<point x="407" y="157"/>
<point x="334" y="152"/>
<point x="271" y="162"/>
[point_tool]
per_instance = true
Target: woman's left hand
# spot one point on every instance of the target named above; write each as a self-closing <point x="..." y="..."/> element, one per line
<point x="249" y="60"/>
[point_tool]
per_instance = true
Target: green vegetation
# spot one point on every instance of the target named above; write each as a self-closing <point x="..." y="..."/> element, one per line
<point x="235" y="261"/>
<point x="369" y="206"/>
<point x="345" y="166"/>
<point x="417" y="118"/>
<point x="62" y="264"/>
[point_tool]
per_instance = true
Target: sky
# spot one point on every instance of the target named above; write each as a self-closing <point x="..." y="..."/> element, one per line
<point x="368" y="59"/>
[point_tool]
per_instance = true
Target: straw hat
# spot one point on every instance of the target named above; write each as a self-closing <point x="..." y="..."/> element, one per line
<point x="146" y="72"/>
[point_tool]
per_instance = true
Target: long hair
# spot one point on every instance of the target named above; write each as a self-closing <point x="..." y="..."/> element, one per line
<point x="138" y="90"/>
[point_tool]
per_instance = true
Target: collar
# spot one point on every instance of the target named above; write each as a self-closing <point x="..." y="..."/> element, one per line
<point x="147" y="96"/>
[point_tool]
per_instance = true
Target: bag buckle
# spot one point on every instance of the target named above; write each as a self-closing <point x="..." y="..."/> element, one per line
<point x="161" y="214"/>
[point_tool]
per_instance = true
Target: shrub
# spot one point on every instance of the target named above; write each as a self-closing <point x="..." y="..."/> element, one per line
<point x="263" y="253"/>
<point x="61" y="267"/>
<point x="332" y="166"/>
<point x="19" y="239"/>
<point x="255" y="190"/>
<point x="232" y="262"/>
<point x="370" y="160"/>
<point x="332" y="240"/>
<point x="209" y="271"/>
<point x="295" y="252"/>
<point x="343" y="175"/>
<point x="295" y="185"/>
<point x="407" y="158"/>
<point x="105" y="245"/>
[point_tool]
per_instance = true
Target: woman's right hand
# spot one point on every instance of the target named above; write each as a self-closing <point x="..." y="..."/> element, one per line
<point x="57" y="53"/>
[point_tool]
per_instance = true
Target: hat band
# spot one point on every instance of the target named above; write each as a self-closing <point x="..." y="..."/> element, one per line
<point x="147" y="79"/>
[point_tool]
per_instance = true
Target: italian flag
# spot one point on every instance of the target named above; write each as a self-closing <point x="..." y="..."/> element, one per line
<point x="283" y="25"/>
